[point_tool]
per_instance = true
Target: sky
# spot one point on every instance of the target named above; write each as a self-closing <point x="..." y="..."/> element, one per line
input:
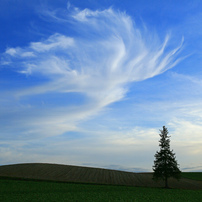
<point x="91" y="83"/>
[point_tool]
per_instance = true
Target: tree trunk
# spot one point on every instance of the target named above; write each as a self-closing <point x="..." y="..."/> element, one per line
<point x="166" y="183"/>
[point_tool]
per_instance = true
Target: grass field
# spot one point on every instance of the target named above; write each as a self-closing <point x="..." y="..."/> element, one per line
<point x="21" y="190"/>
<point x="193" y="175"/>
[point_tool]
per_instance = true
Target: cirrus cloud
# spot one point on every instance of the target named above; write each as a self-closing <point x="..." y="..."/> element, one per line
<point x="108" y="52"/>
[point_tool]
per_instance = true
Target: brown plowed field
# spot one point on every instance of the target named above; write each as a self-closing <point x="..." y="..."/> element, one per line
<point x="66" y="173"/>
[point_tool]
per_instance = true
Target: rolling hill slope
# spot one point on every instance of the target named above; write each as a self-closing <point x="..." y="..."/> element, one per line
<point x="67" y="173"/>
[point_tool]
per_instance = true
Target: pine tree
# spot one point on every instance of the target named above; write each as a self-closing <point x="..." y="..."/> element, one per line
<point x="165" y="164"/>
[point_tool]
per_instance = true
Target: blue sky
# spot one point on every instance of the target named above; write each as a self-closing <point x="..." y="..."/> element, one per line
<point x="91" y="82"/>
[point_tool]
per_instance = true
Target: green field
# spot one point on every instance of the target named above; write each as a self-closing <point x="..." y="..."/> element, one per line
<point x="21" y="190"/>
<point x="192" y="175"/>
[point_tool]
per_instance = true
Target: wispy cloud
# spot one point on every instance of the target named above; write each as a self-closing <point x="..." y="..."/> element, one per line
<point x="108" y="52"/>
<point x="91" y="146"/>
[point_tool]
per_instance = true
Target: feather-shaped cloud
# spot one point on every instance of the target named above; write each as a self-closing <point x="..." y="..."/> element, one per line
<point x="108" y="52"/>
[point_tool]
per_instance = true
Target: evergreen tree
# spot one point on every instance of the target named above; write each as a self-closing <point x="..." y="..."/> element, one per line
<point x="165" y="164"/>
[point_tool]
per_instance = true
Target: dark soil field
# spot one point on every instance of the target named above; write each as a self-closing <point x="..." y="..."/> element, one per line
<point x="77" y="174"/>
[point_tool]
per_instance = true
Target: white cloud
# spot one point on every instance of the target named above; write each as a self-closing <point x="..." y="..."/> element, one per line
<point x="186" y="130"/>
<point x="188" y="78"/>
<point x="102" y="148"/>
<point x="11" y="51"/>
<point x="55" y="41"/>
<point x="27" y="54"/>
<point x="108" y="53"/>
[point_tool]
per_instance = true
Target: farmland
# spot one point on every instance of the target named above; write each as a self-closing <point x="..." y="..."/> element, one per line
<point x="192" y="175"/>
<point x="52" y="182"/>
<point x="78" y="174"/>
<point x="20" y="190"/>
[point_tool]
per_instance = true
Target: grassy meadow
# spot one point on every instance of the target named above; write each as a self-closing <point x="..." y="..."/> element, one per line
<point x="23" y="190"/>
<point x="192" y="175"/>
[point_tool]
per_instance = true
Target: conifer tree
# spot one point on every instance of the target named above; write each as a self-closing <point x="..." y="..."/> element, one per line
<point x="165" y="164"/>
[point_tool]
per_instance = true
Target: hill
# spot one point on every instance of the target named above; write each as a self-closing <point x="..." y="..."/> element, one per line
<point x="78" y="174"/>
